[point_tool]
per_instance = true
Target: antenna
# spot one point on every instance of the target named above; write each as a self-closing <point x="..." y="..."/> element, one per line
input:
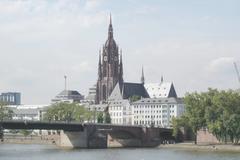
<point x="237" y="71"/>
<point x="65" y="82"/>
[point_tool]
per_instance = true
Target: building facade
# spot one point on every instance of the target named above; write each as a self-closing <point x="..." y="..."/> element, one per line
<point x="156" y="112"/>
<point x="119" y="102"/>
<point x="120" y="112"/>
<point x="110" y="68"/>
<point x="11" y="98"/>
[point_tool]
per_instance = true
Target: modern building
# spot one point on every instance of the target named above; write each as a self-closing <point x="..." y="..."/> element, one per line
<point x="156" y="112"/>
<point x="11" y="98"/>
<point x="68" y="96"/>
<point x="110" y="68"/>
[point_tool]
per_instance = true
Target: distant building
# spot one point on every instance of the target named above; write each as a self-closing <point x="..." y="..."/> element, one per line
<point x="119" y="101"/>
<point x="28" y="112"/>
<point x="128" y="90"/>
<point x="110" y="68"/>
<point x="131" y="104"/>
<point x="156" y="112"/>
<point x="91" y="97"/>
<point x="161" y="90"/>
<point x="120" y="112"/>
<point x="68" y="96"/>
<point x="11" y="98"/>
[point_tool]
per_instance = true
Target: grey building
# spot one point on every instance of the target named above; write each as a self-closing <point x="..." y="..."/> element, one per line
<point x="11" y="98"/>
<point x="68" y="96"/>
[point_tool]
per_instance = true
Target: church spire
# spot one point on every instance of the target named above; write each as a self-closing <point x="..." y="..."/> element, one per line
<point x="142" y="78"/>
<point x="110" y="28"/>
<point x="110" y="18"/>
<point x="161" y="79"/>
<point x="99" y="66"/>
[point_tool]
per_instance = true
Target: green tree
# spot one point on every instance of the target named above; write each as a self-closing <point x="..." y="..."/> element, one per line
<point x="107" y="118"/>
<point x="100" y="117"/>
<point x="68" y="112"/>
<point x="219" y="111"/>
<point x="195" y="112"/>
<point x="180" y="125"/>
<point x="5" y="112"/>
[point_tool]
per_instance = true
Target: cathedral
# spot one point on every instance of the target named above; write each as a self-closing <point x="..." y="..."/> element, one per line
<point x="110" y="68"/>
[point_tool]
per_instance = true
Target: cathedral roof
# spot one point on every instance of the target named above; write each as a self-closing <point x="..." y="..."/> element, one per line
<point x="127" y="90"/>
<point x="134" y="89"/>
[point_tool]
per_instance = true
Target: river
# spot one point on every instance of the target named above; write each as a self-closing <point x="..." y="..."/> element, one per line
<point x="51" y="152"/>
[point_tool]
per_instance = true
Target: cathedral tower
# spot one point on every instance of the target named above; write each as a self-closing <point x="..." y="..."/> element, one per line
<point x="110" y="67"/>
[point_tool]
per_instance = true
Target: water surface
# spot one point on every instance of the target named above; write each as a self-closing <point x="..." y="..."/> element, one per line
<point x="51" y="152"/>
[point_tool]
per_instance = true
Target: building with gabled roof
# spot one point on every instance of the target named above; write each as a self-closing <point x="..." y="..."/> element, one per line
<point x="127" y="90"/>
<point x="161" y="90"/>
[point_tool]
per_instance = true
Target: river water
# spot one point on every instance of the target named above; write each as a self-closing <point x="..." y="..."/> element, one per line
<point x="51" y="152"/>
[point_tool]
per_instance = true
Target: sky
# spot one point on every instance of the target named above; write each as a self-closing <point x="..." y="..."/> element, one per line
<point x="191" y="43"/>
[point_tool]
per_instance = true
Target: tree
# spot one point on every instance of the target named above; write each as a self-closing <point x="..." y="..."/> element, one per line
<point x="195" y="112"/>
<point x="107" y="118"/>
<point x="180" y="125"/>
<point x="5" y="112"/>
<point x="68" y="112"/>
<point x="100" y="117"/>
<point x="219" y="111"/>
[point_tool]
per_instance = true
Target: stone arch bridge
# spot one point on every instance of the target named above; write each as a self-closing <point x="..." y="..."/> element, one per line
<point x="93" y="135"/>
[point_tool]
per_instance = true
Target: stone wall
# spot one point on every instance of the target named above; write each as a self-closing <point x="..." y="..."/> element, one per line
<point x="204" y="137"/>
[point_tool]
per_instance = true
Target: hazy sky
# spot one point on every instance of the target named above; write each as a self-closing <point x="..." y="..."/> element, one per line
<point x="192" y="43"/>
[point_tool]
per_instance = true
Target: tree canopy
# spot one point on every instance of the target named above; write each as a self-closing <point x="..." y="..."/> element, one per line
<point x="68" y="112"/>
<point x="5" y="112"/>
<point x="219" y="111"/>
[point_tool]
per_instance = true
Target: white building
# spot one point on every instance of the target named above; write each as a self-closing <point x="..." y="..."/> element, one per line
<point x="28" y="112"/>
<point x="156" y="112"/>
<point x="161" y="90"/>
<point x="119" y="101"/>
<point x="120" y="112"/>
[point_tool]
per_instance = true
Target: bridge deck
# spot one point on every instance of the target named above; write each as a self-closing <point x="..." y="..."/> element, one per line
<point x="67" y="126"/>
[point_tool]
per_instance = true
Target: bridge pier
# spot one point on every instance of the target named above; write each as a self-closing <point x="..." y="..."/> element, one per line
<point x="73" y="139"/>
<point x="1" y="133"/>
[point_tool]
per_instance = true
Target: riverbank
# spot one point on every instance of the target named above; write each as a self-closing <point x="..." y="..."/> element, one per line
<point x="178" y="146"/>
<point x="193" y="147"/>
<point x="14" y="139"/>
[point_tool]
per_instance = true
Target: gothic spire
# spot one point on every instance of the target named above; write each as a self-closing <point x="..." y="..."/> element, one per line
<point x="100" y="65"/>
<point x="161" y="79"/>
<point x="110" y="28"/>
<point x="110" y="18"/>
<point x="142" y="78"/>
